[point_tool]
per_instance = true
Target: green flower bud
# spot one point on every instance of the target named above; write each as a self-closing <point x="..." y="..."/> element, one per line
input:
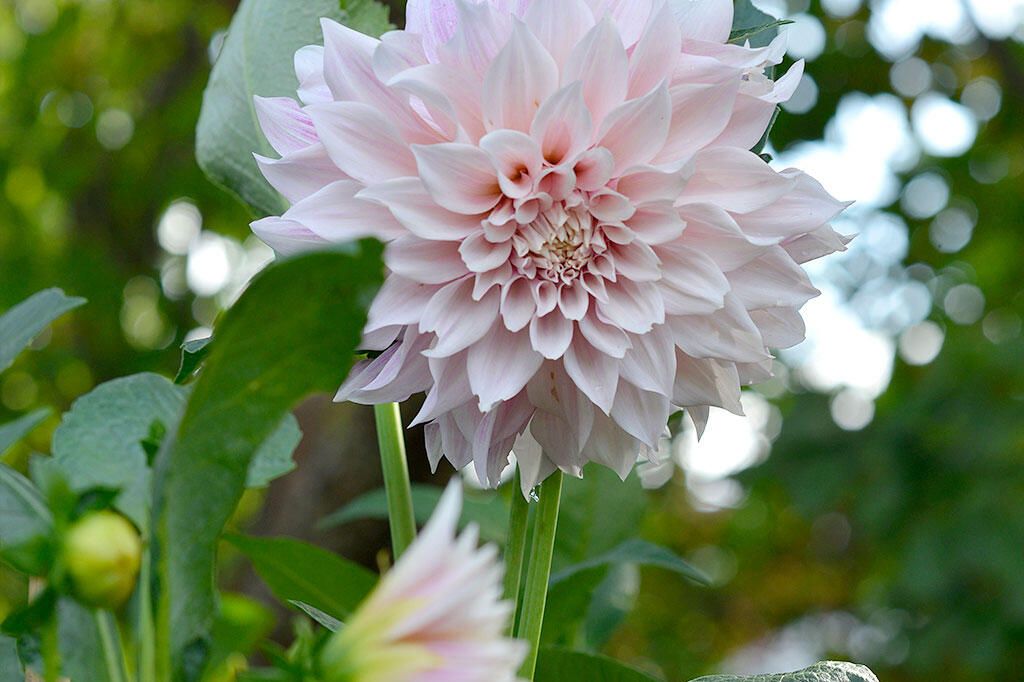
<point x="102" y="552"/>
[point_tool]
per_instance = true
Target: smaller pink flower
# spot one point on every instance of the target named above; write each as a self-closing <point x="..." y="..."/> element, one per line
<point x="437" y="615"/>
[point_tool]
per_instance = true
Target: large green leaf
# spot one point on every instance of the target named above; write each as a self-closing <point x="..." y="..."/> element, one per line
<point x="555" y="664"/>
<point x="24" y="517"/>
<point x="257" y="60"/>
<point x="12" y="432"/>
<point x="485" y="508"/>
<point x="635" y="551"/>
<point x="292" y="332"/>
<point x="297" y="571"/>
<point x="597" y="513"/>
<point x="99" y="443"/>
<point x="20" y="324"/>
<point x="829" y="671"/>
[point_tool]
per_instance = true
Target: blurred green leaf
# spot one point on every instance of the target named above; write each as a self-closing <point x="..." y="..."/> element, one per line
<point x="555" y="664"/>
<point x="12" y="432"/>
<point x="273" y="459"/>
<point x="297" y="571"/>
<point x="257" y="60"/>
<point x="241" y="624"/>
<point x="332" y="624"/>
<point x="192" y="355"/>
<point x="829" y="671"/>
<point x="25" y="520"/>
<point x="276" y="345"/>
<point x="10" y="665"/>
<point x="598" y="512"/>
<point x="485" y="508"/>
<point x="636" y="551"/>
<point x="20" y="324"/>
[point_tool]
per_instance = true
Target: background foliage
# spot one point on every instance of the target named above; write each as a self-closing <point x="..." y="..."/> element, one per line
<point x="897" y="544"/>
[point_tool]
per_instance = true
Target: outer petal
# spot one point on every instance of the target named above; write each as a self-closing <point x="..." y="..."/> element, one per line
<point x="285" y="125"/>
<point x="500" y="365"/>
<point x="635" y="131"/>
<point x="459" y="177"/>
<point x="362" y="141"/>
<point x="335" y="214"/>
<point x="709" y="20"/>
<point x="411" y="204"/>
<point x="287" y="237"/>
<point x="519" y="79"/>
<point x="599" y="61"/>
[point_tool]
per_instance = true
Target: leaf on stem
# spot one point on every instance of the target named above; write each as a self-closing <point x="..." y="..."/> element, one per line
<point x="20" y="324"/>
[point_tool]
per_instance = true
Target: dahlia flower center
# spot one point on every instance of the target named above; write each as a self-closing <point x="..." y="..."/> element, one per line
<point x="558" y="244"/>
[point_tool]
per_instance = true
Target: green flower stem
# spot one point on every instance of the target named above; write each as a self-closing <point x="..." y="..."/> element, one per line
<point x="539" y="570"/>
<point x="109" y="642"/>
<point x="396" y="477"/>
<point x="515" y="546"/>
<point x="147" y="628"/>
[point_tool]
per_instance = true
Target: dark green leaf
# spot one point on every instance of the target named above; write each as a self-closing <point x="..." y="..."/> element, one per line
<point x="276" y="345"/>
<point x="749" y="21"/>
<point x="332" y="624"/>
<point x="487" y="509"/>
<point x="829" y="671"/>
<point x="12" y="432"/>
<point x="297" y="571"/>
<point x="635" y="551"/>
<point x="274" y="456"/>
<point x="20" y="324"/>
<point x="257" y="60"/>
<point x="25" y="520"/>
<point x="192" y="354"/>
<point x="561" y="665"/>
<point x="32" y="616"/>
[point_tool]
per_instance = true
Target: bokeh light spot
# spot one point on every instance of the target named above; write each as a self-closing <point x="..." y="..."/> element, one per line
<point x="921" y="343"/>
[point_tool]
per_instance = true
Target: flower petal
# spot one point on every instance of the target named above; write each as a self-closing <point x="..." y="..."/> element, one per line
<point x="456" y="318"/>
<point x="426" y="261"/>
<point x="286" y="127"/>
<point x="500" y="364"/>
<point x="655" y="56"/>
<point x="362" y="141"/>
<point x="519" y="79"/>
<point x="634" y="132"/>
<point x="595" y="373"/>
<point x="337" y="215"/>
<point x="599" y="61"/>
<point x="551" y="335"/>
<point x="411" y="204"/>
<point x="563" y="126"/>
<point x="459" y="177"/>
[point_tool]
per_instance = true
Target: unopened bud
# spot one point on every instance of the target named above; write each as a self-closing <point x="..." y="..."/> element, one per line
<point x="102" y="552"/>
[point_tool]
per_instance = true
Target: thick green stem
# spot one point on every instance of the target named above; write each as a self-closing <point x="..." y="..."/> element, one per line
<point x="515" y="547"/>
<point x="396" y="477"/>
<point x="111" y="646"/>
<point x="539" y="570"/>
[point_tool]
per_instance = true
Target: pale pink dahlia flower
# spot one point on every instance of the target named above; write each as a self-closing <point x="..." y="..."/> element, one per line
<point x="578" y="239"/>
<point x="437" y="616"/>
